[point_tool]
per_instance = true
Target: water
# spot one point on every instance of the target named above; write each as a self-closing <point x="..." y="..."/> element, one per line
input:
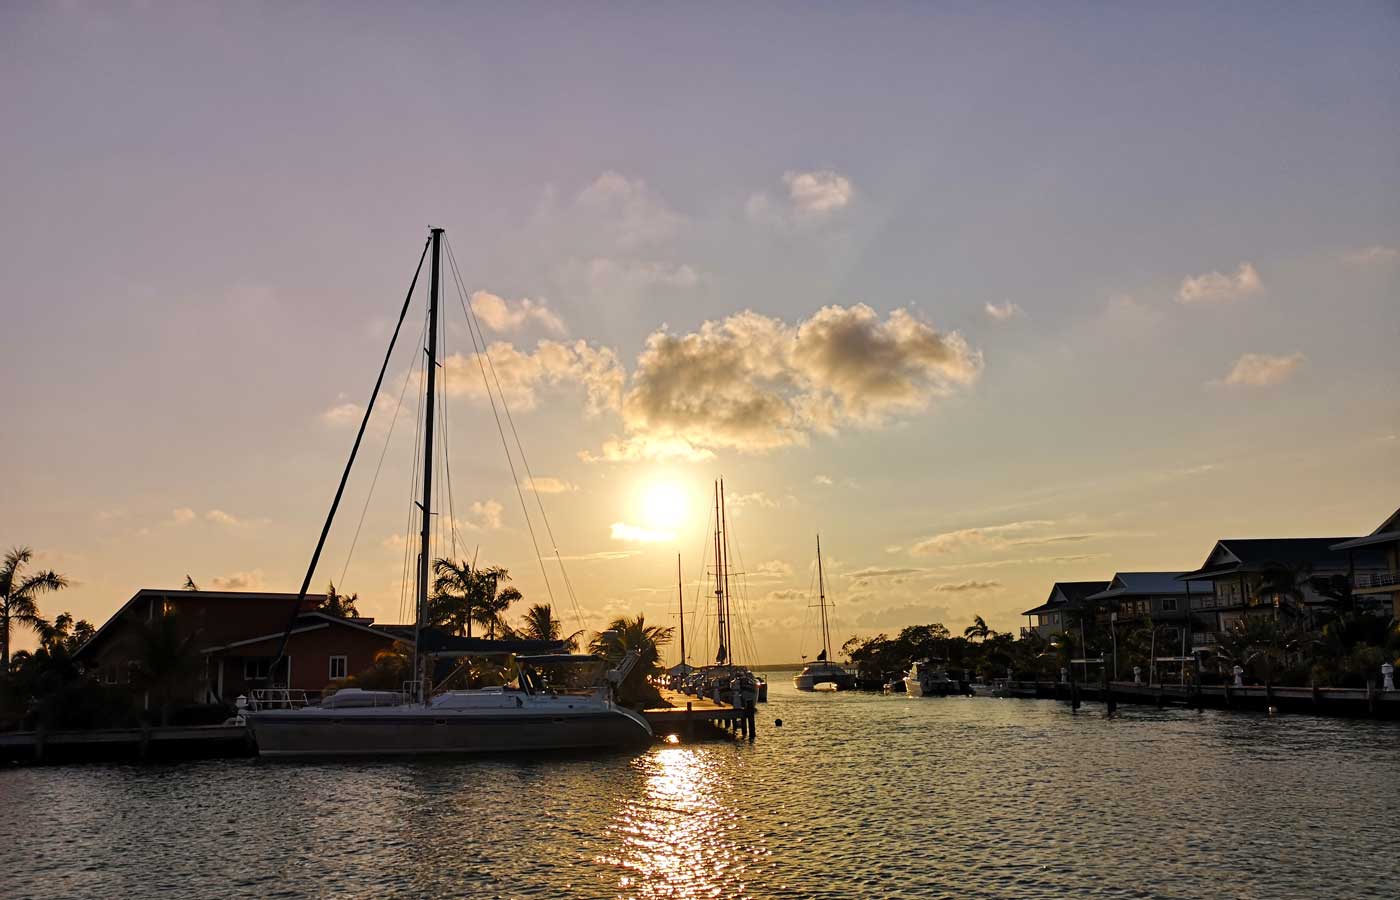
<point x="855" y="796"/>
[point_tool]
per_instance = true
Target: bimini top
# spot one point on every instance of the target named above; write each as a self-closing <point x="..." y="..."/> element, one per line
<point x="550" y="659"/>
<point x="436" y="642"/>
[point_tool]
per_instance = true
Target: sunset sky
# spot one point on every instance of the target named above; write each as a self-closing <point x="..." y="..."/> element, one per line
<point x="989" y="295"/>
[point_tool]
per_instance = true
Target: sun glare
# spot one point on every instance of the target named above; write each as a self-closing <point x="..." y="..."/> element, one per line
<point x="664" y="505"/>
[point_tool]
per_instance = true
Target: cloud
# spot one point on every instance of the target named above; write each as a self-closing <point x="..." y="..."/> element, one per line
<point x="1004" y="311"/>
<point x="958" y="587"/>
<point x="546" y="485"/>
<point x="772" y="570"/>
<point x="183" y="516"/>
<point x="823" y="480"/>
<point x="522" y="375"/>
<point x="810" y="197"/>
<point x="219" y="517"/>
<point x="501" y="315"/>
<point x="1215" y="287"/>
<point x="754" y="383"/>
<point x="484" y="515"/>
<point x="343" y="414"/>
<point x="908" y="614"/>
<point x="965" y="538"/>
<point x="1263" y="369"/>
<point x="635" y="534"/>
<point x="628" y="209"/>
<point x="1371" y="256"/>
<point x="642" y="448"/>
<point x="238" y="581"/>
<point x="757" y="498"/>
<point x="608" y="276"/>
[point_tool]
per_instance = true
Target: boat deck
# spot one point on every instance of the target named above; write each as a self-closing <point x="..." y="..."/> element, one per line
<point x="686" y="712"/>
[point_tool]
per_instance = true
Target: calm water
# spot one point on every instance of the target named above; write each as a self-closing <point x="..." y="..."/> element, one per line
<point x="855" y="796"/>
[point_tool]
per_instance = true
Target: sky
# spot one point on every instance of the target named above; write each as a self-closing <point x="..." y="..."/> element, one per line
<point x="989" y="295"/>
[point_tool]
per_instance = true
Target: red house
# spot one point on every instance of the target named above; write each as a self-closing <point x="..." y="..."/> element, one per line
<point x="237" y="634"/>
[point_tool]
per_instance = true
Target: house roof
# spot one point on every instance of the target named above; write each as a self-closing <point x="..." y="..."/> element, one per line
<point x="1066" y="594"/>
<point x="1147" y="584"/>
<point x="1388" y="532"/>
<point x="1235" y="555"/>
<point x="439" y="642"/>
<point x="312" y="621"/>
<point x="177" y="594"/>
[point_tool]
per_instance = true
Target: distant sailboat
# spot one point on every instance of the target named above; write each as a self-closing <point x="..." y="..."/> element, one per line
<point x="554" y="700"/>
<point x="823" y="674"/>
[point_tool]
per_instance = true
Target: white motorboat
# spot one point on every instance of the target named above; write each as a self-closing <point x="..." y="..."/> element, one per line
<point x="927" y="678"/>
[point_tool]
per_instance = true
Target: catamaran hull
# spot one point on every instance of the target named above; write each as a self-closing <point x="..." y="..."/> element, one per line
<point x="285" y="734"/>
<point x="819" y="682"/>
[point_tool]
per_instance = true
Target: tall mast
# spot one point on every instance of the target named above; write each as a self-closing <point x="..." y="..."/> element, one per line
<point x="728" y="618"/>
<point x="680" y="600"/>
<point x="723" y="652"/>
<point x="426" y="506"/>
<point x="821" y="595"/>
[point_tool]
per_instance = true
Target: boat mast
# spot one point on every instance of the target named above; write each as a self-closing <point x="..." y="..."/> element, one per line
<point x="426" y="505"/>
<point x="723" y="653"/>
<point x="821" y="599"/>
<point x="728" y="616"/>
<point x="680" y="600"/>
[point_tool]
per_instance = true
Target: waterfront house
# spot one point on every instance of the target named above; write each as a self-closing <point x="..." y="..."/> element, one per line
<point x="1050" y="617"/>
<point x="236" y="635"/>
<point x="1238" y="569"/>
<point x="1385" y="540"/>
<point x="1156" y="597"/>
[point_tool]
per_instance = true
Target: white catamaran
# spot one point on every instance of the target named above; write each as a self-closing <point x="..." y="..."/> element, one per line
<point x="823" y="674"/>
<point x="553" y="701"/>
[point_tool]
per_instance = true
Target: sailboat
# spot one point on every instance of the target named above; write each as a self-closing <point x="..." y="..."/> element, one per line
<point x="552" y="701"/>
<point x="823" y="674"/>
<point x="726" y="680"/>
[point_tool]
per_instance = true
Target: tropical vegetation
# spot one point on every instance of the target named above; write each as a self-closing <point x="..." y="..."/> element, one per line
<point x="625" y="635"/>
<point x="19" y="598"/>
<point x="463" y="595"/>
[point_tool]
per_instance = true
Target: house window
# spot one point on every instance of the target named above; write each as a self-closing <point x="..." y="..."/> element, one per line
<point x="255" y="668"/>
<point x="1168" y="604"/>
<point x="338" y="667"/>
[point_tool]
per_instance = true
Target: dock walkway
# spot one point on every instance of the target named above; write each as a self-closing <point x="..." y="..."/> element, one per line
<point x="686" y="713"/>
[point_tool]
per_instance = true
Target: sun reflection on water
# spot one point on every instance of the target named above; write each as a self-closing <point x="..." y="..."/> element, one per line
<point x="676" y="840"/>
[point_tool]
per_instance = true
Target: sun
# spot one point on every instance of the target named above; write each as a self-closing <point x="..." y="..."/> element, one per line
<point x="664" y="505"/>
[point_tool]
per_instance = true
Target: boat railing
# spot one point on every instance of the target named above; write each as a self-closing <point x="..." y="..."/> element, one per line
<point x="279" y="698"/>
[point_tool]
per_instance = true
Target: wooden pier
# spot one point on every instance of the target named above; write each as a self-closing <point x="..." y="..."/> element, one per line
<point x="126" y="744"/>
<point x="1370" y="703"/>
<point x="690" y="717"/>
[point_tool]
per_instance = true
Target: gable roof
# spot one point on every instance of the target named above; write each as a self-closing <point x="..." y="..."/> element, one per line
<point x="1388" y="532"/>
<point x="1236" y="555"/>
<point x="178" y="594"/>
<point x="312" y="621"/>
<point x="1145" y="584"/>
<point x="1065" y="594"/>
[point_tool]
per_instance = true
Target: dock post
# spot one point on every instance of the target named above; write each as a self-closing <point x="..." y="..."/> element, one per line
<point x="689" y="721"/>
<point x="1073" y="694"/>
<point x="1108" y="692"/>
<point x="39" y="742"/>
<point x="751" y="719"/>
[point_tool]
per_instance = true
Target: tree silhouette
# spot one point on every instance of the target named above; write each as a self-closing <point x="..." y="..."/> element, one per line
<point x="18" y="598"/>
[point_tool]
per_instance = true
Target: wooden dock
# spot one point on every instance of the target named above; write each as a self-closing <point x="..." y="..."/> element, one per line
<point x="1347" y="702"/>
<point x="126" y="744"/>
<point x="689" y="717"/>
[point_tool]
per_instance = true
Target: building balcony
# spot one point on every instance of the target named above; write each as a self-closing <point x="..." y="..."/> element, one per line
<point x="1375" y="582"/>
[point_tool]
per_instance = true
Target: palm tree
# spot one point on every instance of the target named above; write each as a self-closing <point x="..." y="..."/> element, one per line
<point x="624" y="636"/>
<point x="338" y="604"/>
<point x="167" y="661"/>
<point x="540" y="625"/>
<point x="978" y="629"/>
<point x="66" y="634"/>
<point x="18" y="593"/>
<point x="463" y="594"/>
<point x="495" y="600"/>
<point x="189" y="583"/>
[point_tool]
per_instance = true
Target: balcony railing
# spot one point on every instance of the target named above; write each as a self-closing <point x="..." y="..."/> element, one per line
<point x="1376" y="579"/>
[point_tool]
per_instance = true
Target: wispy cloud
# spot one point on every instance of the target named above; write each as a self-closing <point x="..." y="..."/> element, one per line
<point x="545" y="484"/>
<point x="1003" y="312"/>
<point x="1217" y="287"/>
<point x="501" y="315"/>
<point x="1371" y="256"/>
<point x="629" y="209"/>
<point x="343" y="414"/>
<point x="1263" y="369"/>
<point x="636" y="534"/>
<point x="183" y="515"/>
<point x="807" y="197"/>
<point x="823" y="480"/>
<point x="238" y="581"/>
<point x="219" y="517"/>
<point x="982" y="536"/>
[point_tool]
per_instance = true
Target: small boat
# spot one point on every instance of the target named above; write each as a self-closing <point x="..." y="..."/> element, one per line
<point x="927" y="678"/>
<point x="823" y="674"/>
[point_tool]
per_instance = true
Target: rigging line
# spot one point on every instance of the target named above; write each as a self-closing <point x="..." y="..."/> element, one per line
<point x="520" y="447"/>
<point x="411" y="530"/>
<point x="349" y="464"/>
<point x="446" y="455"/>
<point x="481" y="353"/>
<point x="378" y="466"/>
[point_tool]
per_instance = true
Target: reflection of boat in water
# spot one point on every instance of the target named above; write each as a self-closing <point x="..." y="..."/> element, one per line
<point x="823" y="674"/>
<point x="894" y="685"/>
<point x="927" y="678"/>
<point x="553" y="701"/>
